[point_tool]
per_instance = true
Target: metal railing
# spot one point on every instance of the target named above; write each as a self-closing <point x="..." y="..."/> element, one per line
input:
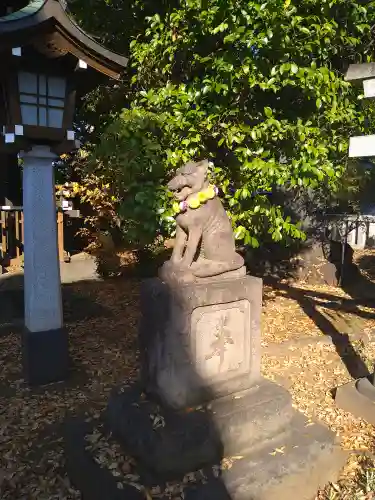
<point x="357" y="230"/>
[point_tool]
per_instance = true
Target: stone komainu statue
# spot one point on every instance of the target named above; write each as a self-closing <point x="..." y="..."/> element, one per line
<point x="204" y="245"/>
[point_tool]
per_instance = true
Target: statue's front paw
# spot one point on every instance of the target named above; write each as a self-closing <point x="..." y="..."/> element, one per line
<point x="177" y="264"/>
<point x="172" y="266"/>
<point x="176" y="271"/>
<point x="173" y="261"/>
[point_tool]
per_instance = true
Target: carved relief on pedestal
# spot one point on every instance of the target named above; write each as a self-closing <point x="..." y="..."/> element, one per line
<point x="220" y="339"/>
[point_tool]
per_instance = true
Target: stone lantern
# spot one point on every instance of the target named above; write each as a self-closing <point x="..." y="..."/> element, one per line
<point x="48" y="63"/>
<point x="358" y="397"/>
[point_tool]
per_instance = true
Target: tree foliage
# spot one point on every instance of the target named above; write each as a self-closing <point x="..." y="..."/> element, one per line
<point x="257" y="87"/>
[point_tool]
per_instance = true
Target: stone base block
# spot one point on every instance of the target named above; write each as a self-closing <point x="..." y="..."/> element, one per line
<point x="166" y="443"/>
<point x="187" y="440"/>
<point x="293" y="465"/>
<point x="277" y="452"/>
<point x="306" y="461"/>
<point x="358" y="398"/>
<point x="45" y="356"/>
<point x="200" y="341"/>
<point x="250" y="418"/>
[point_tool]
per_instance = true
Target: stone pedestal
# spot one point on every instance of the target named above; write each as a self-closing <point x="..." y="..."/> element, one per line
<point x="206" y="401"/>
<point x="200" y="341"/>
<point x="45" y="343"/>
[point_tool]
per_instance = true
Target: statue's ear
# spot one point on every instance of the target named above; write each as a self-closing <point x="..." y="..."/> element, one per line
<point x="202" y="166"/>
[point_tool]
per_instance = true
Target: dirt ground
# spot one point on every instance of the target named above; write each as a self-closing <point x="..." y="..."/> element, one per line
<point x="314" y="340"/>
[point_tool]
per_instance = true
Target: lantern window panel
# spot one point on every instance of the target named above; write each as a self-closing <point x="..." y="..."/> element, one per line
<point x="29" y="114"/>
<point x="42" y="99"/>
<point x="28" y="82"/>
<point x="58" y="103"/>
<point x="28" y="99"/>
<point x="43" y="116"/>
<point x="42" y="90"/>
<point x="55" y="117"/>
<point x="56" y="87"/>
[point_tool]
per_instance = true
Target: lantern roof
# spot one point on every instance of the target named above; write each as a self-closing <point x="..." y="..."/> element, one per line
<point x="360" y="72"/>
<point x="47" y="23"/>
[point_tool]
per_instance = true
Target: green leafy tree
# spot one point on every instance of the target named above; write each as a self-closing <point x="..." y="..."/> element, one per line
<point x="258" y="87"/>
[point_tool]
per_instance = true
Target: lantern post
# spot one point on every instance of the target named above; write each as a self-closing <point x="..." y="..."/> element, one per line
<point x="48" y="64"/>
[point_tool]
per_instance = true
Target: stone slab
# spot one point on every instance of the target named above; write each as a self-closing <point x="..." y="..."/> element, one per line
<point x="358" y="398"/>
<point x="200" y="341"/>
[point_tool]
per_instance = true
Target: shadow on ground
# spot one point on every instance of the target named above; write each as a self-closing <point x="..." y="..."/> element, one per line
<point x="78" y="304"/>
<point x="312" y="302"/>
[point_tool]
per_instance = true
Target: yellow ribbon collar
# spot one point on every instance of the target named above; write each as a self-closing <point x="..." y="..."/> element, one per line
<point x="196" y="201"/>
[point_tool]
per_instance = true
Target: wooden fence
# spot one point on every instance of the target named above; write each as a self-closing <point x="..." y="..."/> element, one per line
<point x="12" y="236"/>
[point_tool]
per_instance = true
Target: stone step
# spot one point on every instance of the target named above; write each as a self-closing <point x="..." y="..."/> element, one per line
<point x="295" y="463"/>
<point x="190" y="440"/>
<point x="253" y="416"/>
<point x="281" y="450"/>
